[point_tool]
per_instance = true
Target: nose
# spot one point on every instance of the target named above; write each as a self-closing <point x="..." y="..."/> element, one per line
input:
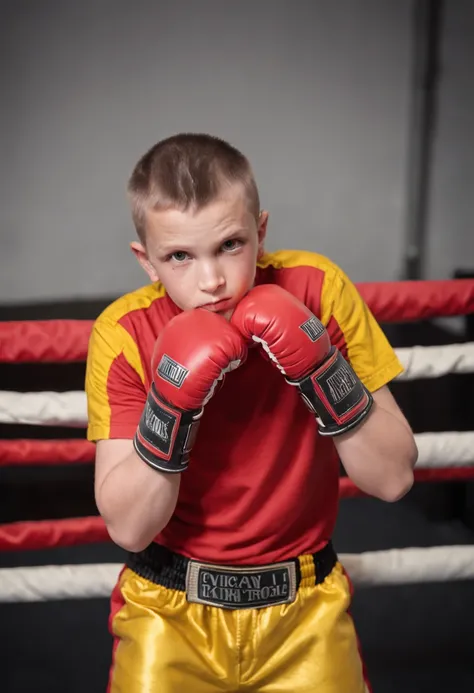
<point x="211" y="277"/>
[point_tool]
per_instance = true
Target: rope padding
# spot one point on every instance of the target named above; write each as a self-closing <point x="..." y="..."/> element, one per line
<point x="44" y="408"/>
<point x="20" y="452"/>
<point x="45" y="341"/>
<point x="48" y="534"/>
<point x="436" y="361"/>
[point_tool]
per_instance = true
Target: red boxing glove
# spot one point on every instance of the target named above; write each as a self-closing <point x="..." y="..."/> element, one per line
<point x="191" y="356"/>
<point x="299" y="345"/>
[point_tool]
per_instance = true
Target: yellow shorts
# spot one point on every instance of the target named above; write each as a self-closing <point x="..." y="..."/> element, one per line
<point x="166" y="644"/>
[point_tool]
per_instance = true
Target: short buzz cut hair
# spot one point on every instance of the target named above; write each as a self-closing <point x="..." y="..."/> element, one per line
<point x="187" y="171"/>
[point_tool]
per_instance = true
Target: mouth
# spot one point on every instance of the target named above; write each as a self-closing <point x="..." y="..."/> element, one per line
<point x="219" y="306"/>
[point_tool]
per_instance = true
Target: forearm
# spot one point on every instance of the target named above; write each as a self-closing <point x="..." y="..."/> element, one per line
<point x="379" y="456"/>
<point x="136" y="502"/>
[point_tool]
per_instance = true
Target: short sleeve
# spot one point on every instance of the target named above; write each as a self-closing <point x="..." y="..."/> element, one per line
<point x="355" y="331"/>
<point x="114" y="383"/>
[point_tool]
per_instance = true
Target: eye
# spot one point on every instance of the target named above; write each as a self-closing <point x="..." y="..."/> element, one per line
<point x="231" y="244"/>
<point x="179" y="256"/>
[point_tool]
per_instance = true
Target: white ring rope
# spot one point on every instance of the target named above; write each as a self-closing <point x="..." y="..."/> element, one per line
<point x="392" y="567"/>
<point x="411" y="565"/>
<point x="44" y="408"/>
<point x="435" y="361"/>
<point x="447" y="449"/>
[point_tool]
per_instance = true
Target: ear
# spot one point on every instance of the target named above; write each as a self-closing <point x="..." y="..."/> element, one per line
<point x="140" y="253"/>
<point x="262" y="232"/>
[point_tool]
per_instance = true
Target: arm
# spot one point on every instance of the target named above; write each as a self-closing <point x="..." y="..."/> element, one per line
<point x="144" y="438"/>
<point x="349" y="399"/>
<point x="135" y="501"/>
<point x="380" y="454"/>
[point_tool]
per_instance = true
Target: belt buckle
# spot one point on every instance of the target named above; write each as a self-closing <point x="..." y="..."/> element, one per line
<point x="241" y="587"/>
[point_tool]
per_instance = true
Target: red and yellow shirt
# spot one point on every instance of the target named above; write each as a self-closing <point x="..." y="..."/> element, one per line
<point x="262" y="485"/>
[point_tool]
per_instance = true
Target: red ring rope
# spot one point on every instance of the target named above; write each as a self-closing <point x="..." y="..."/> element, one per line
<point x="56" y="341"/>
<point x="47" y="452"/>
<point x="45" y="341"/>
<point x="49" y="534"/>
<point x="446" y="474"/>
<point x="347" y="488"/>
<point x="418" y="300"/>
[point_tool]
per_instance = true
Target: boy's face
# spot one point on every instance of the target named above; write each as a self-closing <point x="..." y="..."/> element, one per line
<point x="205" y="258"/>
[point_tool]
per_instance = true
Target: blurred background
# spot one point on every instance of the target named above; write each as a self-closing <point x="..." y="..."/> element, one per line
<point x="357" y="117"/>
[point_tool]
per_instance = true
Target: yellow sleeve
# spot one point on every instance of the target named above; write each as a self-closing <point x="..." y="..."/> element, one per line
<point x="114" y="383"/>
<point x="355" y="331"/>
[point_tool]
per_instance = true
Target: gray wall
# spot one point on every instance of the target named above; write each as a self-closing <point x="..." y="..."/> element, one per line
<point x="452" y="195"/>
<point x="316" y="93"/>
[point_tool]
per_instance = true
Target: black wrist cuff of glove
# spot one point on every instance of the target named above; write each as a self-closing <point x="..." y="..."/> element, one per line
<point x="335" y="394"/>
<point x="165" y="435"/>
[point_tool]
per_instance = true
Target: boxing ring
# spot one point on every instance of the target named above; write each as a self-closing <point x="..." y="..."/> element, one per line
<point x="443" y="457"/>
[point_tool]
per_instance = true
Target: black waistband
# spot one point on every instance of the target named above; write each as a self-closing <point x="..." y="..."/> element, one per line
<point x="163" y="567"/>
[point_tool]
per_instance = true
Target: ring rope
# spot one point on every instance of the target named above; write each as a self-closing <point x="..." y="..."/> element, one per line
<point x="22" y="452"/>
<point x="50" y="534"/>
<point x="347" y="488"/>
<point x="44" y="408"/>
<point x="435" y="450"/>
<point x="445" y="449"/>
<point x="436" y="361"/>
<point x="53" y="341"/>
<point x="44" y="341"/>
<point x="392" y="567"/>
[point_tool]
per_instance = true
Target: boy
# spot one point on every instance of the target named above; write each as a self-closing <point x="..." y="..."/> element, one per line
<point x="221" y="398"/>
